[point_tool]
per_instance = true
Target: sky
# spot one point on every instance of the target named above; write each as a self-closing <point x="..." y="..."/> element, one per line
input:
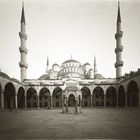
<point x="60" y="28"/>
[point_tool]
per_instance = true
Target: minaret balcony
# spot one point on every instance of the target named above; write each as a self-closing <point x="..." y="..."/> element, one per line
<point x="118" y="34"/>
<point x="23" y="49"/>
<point x="23" y="35"/>
<point x="23" y="64"/>
<point x="119" y="63"/>
<point x="119" y="49"/>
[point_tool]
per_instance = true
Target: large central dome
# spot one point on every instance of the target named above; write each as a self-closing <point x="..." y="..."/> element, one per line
<point x="70" y="61"/>
<point x="71" y="69"/>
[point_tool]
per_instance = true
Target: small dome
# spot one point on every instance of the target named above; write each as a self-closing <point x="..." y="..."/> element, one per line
<point x="98" y="76"/>
<point x="44" y="77"/>
<point x="86" y="64"/>
<point x="55" y="64"/>
<point x="55" y="67"/>
<point x="91" y="73"/>
<point x="91" y="69"/>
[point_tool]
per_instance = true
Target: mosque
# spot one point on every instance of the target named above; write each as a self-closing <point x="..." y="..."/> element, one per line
<point x="71" y="84"/>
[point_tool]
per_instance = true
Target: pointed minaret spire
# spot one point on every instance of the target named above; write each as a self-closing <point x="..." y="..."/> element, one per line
<point x="119" y="15"/>
<point x="47" y="69"/>
<point x="119" y="47"/>
<point x="47" y="61"/>
<point x="23" y="14"/>
<point x="95" y="66"/>
<point x="71" y="56"/>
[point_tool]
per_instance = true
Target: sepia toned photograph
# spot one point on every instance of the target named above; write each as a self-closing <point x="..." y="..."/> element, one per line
<point x="69" y="69"/>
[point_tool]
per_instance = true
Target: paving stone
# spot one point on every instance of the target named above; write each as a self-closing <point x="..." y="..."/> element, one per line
<point x="52" y="124"/>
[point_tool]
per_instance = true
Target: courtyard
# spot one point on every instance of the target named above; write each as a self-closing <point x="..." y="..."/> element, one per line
<point x="97" y="123"/>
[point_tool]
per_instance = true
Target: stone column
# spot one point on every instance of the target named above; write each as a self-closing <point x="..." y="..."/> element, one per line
<point x="16" y="104"/>
<point x="125" y="99"/>
<point x="25" y="101"/>
<point x="76" y="104"/>
<point x="2" y="100"/>
<point x="139" y="98"/>
<point x="38" y="105"/>
<point x="62" y="103"/>
<point x="104" y="100"/>
<point x="51" y="101"/>
<point x="91" y="100"/>
<point x="117" y="100"/>
<point x="66" y="104"/>
<point x="80" y="103"/>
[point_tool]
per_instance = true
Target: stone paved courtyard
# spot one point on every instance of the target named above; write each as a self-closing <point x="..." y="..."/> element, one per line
<point x="51" y="124"/>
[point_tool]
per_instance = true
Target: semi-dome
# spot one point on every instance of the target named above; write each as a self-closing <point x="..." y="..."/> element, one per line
<point x="91" y="73"/>
<point x="98" y="76"/>
<point x="55" y="64"/>
<point x="86" y="67"/>
<point x="86" y="64"/>
<point x="55" y="67"/>
<point x="44" y="77"/>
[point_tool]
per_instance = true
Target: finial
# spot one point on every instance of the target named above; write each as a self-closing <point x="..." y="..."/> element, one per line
<point x="47" y="69"/>
<point x="71" y="56"/>
<point x="47" y="61"/>
<point x="23" y="14"/>
<point x="119" y="15"/>
<point x="95" y="66"/>
<point x="22" y="4"/>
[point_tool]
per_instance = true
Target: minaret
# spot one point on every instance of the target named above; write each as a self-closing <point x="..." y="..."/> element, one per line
<point x="119" y="47"/>
<point x="95" y="66"/>
<point x="47" y="69"/>
<point x="23" y="50"/>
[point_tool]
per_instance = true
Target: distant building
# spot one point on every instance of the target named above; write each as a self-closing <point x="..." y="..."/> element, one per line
<point x="71" y="83"/>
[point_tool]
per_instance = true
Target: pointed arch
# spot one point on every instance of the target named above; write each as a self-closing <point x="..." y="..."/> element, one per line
<point x="0" y="95"/>
<point x="21" y="97"/>
<point x="71" y="100"/>
<point x="111" y="96"/>
<point x="31" y="98"/>
<point x="98" y="96"/>
<point x="57" y="97"/>
<point x="9" y="96"/>
<point x="86" y="97"/>
<point x="45" y="98"/>
<point x="121" y="96"/>
<point x="133" y="94"/>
